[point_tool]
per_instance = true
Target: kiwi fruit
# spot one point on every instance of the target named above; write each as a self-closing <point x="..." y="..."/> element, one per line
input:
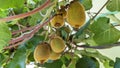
<point x="76" y="14"/>
<point x="42" y="53"/>
<point x="57" y="21"/>
<point x="57" y="44"/>
<point x="54" y="56"/>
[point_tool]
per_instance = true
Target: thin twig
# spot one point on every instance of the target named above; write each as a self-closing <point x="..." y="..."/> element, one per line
<point x="20" y="38"/>
<point x="27" y="36"/>
<point x="23" y="30"/>
<point x="100" y="10"/>
<point x="46" y="4"/>
<point x="15" y="45"/>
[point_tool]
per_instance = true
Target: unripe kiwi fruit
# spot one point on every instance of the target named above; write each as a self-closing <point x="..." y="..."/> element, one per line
<point x="76" y="14"/>
<point x="57" y="21"/>
<point x="42" y="53"/>
<point x="54" y="56"/>
<point x="57" y="44"/>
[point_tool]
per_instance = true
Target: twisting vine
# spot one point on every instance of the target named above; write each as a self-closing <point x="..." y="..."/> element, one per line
<point x="26" y="36"/>
<point x="15" y="42"/>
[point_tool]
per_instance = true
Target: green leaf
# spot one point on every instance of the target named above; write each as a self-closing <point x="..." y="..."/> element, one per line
<point x="69" y="60"/>
<point x="54" y="64"/>
<point x="32" y="43"/>
<point x="61" y="2"/>
<point x="86" y="62"/>
<point x="63" y="66"/>
<point x="30" y="57"/>
<point x="117" y="63"/>
<point x="35" y="19"/>
<point x="72" y="63"/>
<point x="3" y="13"/>
<point x="64" y="34"/>
<point x="11" y="3"/>
<point x="82" y="37"/>
<point x="104" y="32"/>
<point x="94" y="53"/>
<point x="91" y="41"/>
<point x="107" y="64"/>
<point x="114" y="5"/>
<point x="5" y="35"/>
<point x="31" y="4"/>
<point x="96" y="62"/>
<point x="113" y="18"/>
<point x="66" y="59"/>
<point x="87" y="4"/>
<point x="19" y="58"/>
<point x="1" y="59"/>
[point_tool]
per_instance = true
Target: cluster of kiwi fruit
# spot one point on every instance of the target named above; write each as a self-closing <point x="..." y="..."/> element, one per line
<point x="73" y="14"/>
<point x="49" y="51"/>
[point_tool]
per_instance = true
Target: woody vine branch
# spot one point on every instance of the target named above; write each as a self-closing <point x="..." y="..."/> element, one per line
<point x="26" y="36"/>
<point x="16" y="41"/>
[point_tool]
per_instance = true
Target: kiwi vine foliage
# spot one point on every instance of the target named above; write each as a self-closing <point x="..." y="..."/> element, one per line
<point x="26" y="23"/>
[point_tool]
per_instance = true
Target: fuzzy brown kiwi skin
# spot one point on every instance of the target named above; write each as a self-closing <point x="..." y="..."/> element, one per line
<point x="42" y="52"/>
<point x="54" y="56"/>
<point x="57" y="44"/>
<point x="57" y="21"/>
<point x="76" y="14"/>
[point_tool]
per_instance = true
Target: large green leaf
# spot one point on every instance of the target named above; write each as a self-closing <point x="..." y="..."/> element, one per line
<point x="5" y="35"/>
<point x="19" y="58"/>
<point x="86" y="62"/>
<point x="104" y="32"/>
<point x="117" y="63"/>
<point x="114" y="5"/>
<point x="94" y="53"/>
<point x="4" y="4"/>
<point x="87" y="4"/>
